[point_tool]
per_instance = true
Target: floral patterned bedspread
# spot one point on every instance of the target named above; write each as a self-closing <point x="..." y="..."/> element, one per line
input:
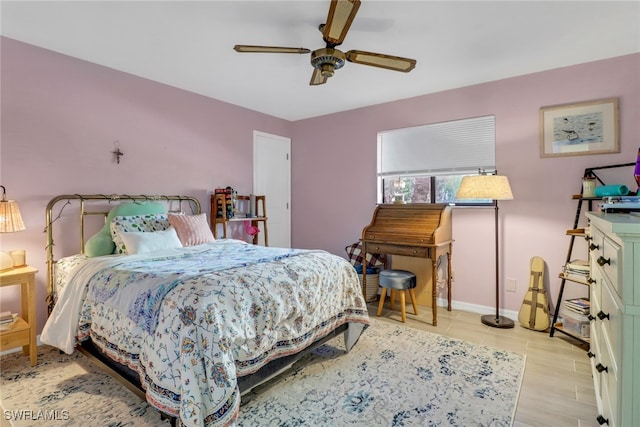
<point x="191" y="322"/>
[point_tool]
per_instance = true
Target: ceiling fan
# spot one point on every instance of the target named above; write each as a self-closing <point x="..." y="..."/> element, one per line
<point x="328" y="59"/>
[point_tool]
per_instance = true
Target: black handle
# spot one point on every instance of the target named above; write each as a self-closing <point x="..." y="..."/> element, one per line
<point x="602" y="261"/>
<point x="593" y="247"/>
<point x="602" y="315"/>
<point x="600" y="368"/>
<point x="602" y="420"/>
<point x="591" y="280"/>
<point x="591" y="317"/>
<point x="591" y="355"/>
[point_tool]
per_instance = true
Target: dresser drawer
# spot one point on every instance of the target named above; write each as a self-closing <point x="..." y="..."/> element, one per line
<point x="595" y="349"/>
<point x="611" y="263"/>
<point x="17" y="336"/>
<point x="385" y="248"/>
<point x="609" y="379"/>
<point x="595" y="288"/>
<point x="611" y="321"/>
<point x="596" y="243"/>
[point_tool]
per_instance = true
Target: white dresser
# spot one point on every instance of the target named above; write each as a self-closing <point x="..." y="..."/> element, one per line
<point x="615" y="315"/>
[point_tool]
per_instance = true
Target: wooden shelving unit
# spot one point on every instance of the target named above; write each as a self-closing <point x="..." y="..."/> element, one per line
<point x="572" y="233"/>
<point x="222" y="213"/>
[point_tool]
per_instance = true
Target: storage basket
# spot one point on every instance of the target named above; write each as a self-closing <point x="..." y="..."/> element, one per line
<point x="373" y="281"/>
<point x="573" y="322"/>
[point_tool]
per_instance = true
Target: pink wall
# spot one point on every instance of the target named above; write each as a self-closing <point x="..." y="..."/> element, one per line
<point x="334" y="160"/>
<point x="60" y="117"/>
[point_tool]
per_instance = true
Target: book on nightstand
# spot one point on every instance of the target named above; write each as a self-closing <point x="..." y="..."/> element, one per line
<point x="7" y="319"/>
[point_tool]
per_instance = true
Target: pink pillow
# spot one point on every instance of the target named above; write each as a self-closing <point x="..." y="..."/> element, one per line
<point x="192" y="229"/>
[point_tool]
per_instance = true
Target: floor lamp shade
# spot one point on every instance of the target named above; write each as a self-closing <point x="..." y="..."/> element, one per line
<point x="494" y="187"/>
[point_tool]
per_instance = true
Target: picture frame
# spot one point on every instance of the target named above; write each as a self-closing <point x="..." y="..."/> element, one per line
<point x="579" y="129"/>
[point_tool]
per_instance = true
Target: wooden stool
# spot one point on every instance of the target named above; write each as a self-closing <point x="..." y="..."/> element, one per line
<point x="398" y="280"/>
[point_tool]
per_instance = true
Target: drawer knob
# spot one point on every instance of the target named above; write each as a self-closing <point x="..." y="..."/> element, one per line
<point x="600" y="368"/>
<point x="602" y="420"/>
<point x="591" y="317"/>
<point x="587" y="238"/>
<point x="602" y="315"/>
<point x="593" y="247"/>
<point x="602" y="261"/>
<point x="591" y="280"/>
<point x="591" y="355"/>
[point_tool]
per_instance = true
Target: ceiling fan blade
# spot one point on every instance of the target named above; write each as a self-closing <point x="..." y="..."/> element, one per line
<point x="269" y="49"/>
<point x="341" y="14"/>
<point x="396" y="63"/>
<point x="317" y="78"/>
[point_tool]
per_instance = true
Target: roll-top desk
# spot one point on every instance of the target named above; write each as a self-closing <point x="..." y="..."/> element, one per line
<point x="417" y="230"/>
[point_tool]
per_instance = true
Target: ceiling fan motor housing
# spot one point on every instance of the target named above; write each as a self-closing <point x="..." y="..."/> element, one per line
<point x="327" y="60"/>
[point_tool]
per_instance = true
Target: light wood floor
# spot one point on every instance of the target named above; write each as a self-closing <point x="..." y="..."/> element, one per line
<point x="557" y="389"/>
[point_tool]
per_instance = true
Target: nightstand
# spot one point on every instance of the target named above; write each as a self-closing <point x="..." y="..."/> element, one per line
<point x="23" y="332"/>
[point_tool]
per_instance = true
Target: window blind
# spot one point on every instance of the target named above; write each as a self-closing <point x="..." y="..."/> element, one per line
<point x="455" y="147"/>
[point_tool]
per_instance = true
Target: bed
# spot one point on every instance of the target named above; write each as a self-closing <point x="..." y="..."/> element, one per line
<point x="188" y="321"/>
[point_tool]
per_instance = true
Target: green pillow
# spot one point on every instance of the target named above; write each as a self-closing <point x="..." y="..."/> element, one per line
<point x="101" y="243"/>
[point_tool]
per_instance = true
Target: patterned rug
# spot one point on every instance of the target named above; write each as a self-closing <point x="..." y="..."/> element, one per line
<point x="395" y="376"/>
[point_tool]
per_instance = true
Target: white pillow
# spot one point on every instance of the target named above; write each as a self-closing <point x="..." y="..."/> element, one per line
<point x="141" y="242"/>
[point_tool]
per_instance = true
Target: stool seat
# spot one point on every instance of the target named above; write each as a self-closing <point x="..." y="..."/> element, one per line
<point x="397" y="279"/>
<point x="400" y="280"/>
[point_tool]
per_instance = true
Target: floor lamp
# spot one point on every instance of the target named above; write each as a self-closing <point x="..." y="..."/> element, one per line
<point x="495" y="187"/>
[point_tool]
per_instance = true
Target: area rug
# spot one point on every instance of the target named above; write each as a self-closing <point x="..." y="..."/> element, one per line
<point x="395" y="376"/>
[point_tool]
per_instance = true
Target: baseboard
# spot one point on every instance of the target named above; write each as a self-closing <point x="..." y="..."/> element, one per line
<point x="475" y="308"/>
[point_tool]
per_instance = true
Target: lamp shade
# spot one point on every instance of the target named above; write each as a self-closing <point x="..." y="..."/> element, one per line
<point x="10" y="218"/>
<point x="495" y="187"/>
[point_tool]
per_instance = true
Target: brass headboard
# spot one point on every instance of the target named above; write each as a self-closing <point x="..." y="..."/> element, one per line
<point x="84" y="210"/>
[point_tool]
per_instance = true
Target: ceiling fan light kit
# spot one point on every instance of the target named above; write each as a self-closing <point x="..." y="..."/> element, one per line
<point x="328" y="59"/>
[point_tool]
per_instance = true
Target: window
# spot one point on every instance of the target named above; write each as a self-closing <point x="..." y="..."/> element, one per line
<point x="425" y="164"/>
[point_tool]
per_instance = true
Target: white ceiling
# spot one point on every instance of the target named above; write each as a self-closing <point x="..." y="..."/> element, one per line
<point x="456" y="43"/>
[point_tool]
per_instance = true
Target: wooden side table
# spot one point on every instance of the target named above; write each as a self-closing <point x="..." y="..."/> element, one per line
<point x="23" y="331"/>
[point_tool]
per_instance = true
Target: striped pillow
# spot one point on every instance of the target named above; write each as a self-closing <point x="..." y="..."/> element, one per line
<point x="192" y="229"/>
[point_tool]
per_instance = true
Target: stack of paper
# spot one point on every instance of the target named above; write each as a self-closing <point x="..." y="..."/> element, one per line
<point x="578" y="305"/>
<point x="7" y="319"/>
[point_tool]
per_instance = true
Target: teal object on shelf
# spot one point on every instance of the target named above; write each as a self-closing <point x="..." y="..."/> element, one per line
<point x="611" y="190"/>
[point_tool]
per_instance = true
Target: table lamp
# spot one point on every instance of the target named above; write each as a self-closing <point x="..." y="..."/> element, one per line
<point x="10" y="222"/>
<point x="494" y="187"/>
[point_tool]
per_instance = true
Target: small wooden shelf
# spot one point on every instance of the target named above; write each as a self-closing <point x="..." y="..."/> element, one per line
<point x="579" y="197"/>
<point x="18" y="325"/>
<point x="574" y="278"/>
<point x="558" y="327"/>
<point x="580" y="232"/>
